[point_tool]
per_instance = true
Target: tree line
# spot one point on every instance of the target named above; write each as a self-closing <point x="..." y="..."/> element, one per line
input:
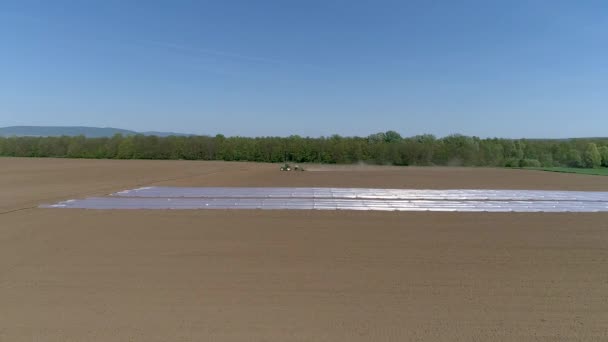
<point x="380" y="148"/>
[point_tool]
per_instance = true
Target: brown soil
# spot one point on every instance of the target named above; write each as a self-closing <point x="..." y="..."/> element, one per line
<point x="78" y="275"/>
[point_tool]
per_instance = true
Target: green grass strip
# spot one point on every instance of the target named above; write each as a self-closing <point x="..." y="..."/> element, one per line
<point x="595" y="172"/>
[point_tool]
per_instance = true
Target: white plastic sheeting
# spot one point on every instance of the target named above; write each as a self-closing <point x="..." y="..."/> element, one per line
<point x="366" y="193"/>
<point x="347" y="199"/>
<point x="331" y="204"/>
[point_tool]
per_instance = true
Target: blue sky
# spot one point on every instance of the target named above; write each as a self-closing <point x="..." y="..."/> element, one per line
<point x="486" y="68"/>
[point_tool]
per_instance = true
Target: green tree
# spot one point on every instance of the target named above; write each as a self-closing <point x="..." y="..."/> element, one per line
<point x="592" y="157"/>
<point x="392" y="136"/>
<point x="126" y="149"/>
<point x="604" y="154"/>
<point x="574" y="158"/>
<point x="377" y="138"/>
<point x="529" y="163"/>
<point x="76" y="148"/>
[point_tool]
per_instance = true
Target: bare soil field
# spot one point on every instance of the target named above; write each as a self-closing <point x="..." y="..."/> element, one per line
<point x="220" y="275"/>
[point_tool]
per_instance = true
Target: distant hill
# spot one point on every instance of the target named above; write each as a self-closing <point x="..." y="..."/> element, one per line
<point x="90" y="132"/>
<point x="165" y="134"/>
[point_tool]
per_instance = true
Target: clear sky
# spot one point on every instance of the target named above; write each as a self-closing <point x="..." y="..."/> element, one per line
<point x="487" y="68"/>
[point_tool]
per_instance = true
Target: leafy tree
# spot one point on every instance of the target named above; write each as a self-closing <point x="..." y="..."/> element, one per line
<point x="592" y="157"/>
<point x="604" y="154"/>
<point x="574" y="158"/>
<point x="76" y="147"/>
<point x="377" y="138"/>
<point x="392" y="136"/>
<point x="529" y="163"/>
<point x="512" y="162"/>
<point x="126" y="149"/>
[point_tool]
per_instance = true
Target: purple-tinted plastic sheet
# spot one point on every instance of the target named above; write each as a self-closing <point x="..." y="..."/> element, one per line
<point x="364" y="193"/>
<point x="347" y="199"/>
